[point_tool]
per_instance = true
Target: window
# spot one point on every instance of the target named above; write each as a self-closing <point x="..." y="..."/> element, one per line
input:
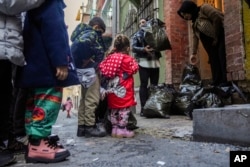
<point x="146" y="10"/>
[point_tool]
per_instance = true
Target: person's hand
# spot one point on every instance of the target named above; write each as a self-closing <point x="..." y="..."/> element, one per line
<point x="62" y="72"/>
<point x="103" y="93"/>
<point x="148" y="49"/>
<point x="193" y="59"/>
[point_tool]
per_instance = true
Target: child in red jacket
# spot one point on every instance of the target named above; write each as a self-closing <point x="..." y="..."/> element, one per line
<point x="119" y="68"/>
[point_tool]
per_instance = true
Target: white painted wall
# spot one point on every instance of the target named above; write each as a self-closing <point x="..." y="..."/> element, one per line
<point x="71" y="13"/>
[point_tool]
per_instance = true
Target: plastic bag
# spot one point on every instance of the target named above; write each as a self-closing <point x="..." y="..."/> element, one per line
<point x="191" y="80"/>
<point x="191" y="83"/>
<point x="155" y="35"/>
<point x="182" y="104"/>
<point x="159" y="102"/>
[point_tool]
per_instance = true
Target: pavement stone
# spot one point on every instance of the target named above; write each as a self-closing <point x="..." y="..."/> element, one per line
<point x="158" y="142"/>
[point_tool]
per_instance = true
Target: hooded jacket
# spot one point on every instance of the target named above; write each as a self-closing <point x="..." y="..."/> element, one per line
<point x="11" y="45"/>
<point x="87" y="46"/>
<point x="46" y="47"/>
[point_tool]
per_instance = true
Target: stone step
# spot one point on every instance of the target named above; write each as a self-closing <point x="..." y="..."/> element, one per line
<point x="229" y="124"/>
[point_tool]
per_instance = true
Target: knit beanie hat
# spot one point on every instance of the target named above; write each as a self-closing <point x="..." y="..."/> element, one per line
<point x="97" y="21"/>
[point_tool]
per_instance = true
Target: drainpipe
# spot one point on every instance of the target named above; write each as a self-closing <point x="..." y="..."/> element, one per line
<point x="105" y="9"/>
<point x="115" y="19"/>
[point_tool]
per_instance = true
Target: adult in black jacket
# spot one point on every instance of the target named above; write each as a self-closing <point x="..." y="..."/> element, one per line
<point x="149" y="64"/>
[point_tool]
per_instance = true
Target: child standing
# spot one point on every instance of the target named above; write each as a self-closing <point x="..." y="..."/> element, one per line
<point x="118" y="68"/>
<point x="68" y="106"/>
<point x="49" y="68"/>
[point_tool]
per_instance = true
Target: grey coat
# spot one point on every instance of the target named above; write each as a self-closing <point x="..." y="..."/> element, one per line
<point x="11" y="40"/>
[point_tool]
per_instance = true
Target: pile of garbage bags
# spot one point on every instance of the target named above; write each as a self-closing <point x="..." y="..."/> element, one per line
<point x="164" y="100"/>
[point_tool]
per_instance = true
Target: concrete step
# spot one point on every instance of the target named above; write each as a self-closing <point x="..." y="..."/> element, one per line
<point x="229" y="124"/>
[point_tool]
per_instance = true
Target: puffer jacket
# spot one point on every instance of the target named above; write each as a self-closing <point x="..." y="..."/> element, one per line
<point x="11" y="40"/>
<point x="138" y="44"/>
<point x="87" y="46"/>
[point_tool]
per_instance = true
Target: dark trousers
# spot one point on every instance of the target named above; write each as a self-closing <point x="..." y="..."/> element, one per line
<point x="18" y="108"/>
<point x="146" y="75"/>
<point x="217" y="57"/>
<point x="5" y="97"/>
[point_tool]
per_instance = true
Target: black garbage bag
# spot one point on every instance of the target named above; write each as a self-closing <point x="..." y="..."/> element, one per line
<point x="155" y="35"/>
<point x="191" y="80"/>
<point x="182" y="104"/>
<point x="159" y="102"/>
<point x="206" y="98"/>
<point x="191" y="83"/>
<point x="132" y="122"/>
<point x="191" y="75"/>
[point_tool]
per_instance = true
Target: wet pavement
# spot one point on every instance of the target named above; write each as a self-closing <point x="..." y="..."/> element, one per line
<point x="158" y="142"/>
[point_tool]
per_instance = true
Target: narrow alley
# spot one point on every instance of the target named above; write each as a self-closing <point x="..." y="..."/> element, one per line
<point x="158" y="142"/>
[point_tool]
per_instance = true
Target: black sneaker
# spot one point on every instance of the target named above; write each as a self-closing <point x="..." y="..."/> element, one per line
<point x="80" y="131"/>
<point x="6" y="158"/>
<point x="16" y="147"/>
<point x="94" y="131"/>
<point x="141" y="114"/>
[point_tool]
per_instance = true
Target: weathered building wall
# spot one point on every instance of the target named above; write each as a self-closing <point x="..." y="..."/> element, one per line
<point x="234" y="40"/>
<point x="237" y="30"/>
<point x="177" y="32"/>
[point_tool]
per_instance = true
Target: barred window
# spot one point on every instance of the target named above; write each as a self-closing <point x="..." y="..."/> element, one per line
<point x="146" y="10"/>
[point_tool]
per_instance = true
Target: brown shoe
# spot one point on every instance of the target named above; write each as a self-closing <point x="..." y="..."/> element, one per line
<point x="46" y="151"/>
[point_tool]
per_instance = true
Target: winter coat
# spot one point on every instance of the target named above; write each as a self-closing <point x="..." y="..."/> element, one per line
<point x="87" y="46"/>
<point x="11" y="40"/>
<point x="209" y="22"/>
<point x="119" y="68"/>
<point x="138" y="44"/>
<point x="46" y="47"/>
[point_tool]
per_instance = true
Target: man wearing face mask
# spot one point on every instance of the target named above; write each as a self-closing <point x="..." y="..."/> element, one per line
<point x="88" y="51"/>
<point x="149" y="63"/>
